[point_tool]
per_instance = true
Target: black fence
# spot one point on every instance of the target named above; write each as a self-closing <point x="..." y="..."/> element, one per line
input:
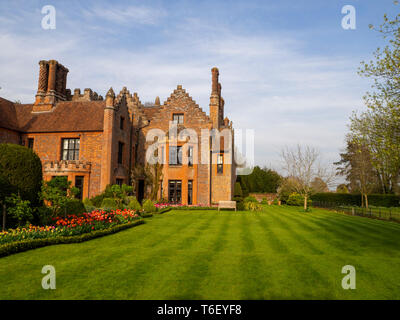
<point x="392" y="214"/>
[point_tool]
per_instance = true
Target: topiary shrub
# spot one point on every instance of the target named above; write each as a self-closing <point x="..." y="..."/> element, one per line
<point x="109" y="204"/>
<point x="89" y="207"/>
<point x="238" y="197"/>
<point x="240" y="206"/>
<point x="21" y="168"/>
<point x="128" y="199"/>
<point x="148" y="206"/>
<point x="97" y="200"/>
<point x="134" y="204"/>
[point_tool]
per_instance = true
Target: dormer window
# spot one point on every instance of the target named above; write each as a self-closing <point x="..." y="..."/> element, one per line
<point x="177" y="118"/>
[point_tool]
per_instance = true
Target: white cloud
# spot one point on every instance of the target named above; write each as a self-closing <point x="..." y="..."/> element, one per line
<point x="126" y="15"/>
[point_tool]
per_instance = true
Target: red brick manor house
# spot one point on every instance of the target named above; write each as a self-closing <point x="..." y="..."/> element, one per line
<point x="96" y="142"/>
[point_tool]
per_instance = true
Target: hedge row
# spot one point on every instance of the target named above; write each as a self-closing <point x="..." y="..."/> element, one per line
<point x="164" y="210"/>
<point x="193" y="208"/>
<point x="24" y="245"/>
<point x="378" y="200"/>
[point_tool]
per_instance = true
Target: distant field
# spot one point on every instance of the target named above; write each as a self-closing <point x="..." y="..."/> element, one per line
<point x="279" y="253"/>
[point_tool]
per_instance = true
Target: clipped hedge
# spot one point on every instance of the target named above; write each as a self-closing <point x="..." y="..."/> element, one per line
<point x="193" y="208"/>
<point x="378" y="200"/>
<point x="164" y="210"/>
<point x="25" y="245"/>
<point x="21" y="171"/>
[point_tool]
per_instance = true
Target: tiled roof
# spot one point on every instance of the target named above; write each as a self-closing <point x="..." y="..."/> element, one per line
<point x="8" y="116"/>
<point x="67" y="116"/>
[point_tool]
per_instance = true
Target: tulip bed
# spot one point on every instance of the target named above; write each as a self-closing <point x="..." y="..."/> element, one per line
<point x="71" y="225"/>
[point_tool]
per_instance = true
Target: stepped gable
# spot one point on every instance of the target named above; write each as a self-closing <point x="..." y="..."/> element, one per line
<point x="181" y="100"/>
<point x="134" y="105"/>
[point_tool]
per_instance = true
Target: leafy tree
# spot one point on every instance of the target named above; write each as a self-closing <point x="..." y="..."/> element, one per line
<point x="342" y="188"/>
<point x="56" y="193"/>
<point x="378" y="129"/>
<point x="319" y="185"/>
<point x="356" y="166"/>
<point x="286" y="188"/>
<point x="19" y="209"/>
<point x="261" y="180"/>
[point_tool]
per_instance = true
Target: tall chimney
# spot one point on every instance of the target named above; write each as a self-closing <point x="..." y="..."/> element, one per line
<point x="51" y="85"/>
<point x="215" y="99"/>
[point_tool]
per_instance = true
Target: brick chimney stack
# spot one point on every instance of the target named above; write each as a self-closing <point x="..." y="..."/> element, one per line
<point x="51" y="85"/>
<point x="216" y="109"/>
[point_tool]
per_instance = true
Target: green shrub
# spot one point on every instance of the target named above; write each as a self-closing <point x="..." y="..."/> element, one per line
<point x="73" y="206"/>
<point x="97" y="200"/>
<point x="264" y="201"/>
<point x="19" y="209"/>
<point x="148" y="206"/>
<point x="89" y="207"/>
<point x="134" y="204"/>
<point x="240" y="206"/>
<point x="275" y="202"/>
<point x="44" y="214"/>
<point x="252" y="206"/>
<point x="21" y="168"/>
<point x="87" y="202"/>
<point x="128" y="199"/>
<point x="296" y="199"/>
<point x="250" y="199"/>
<point x="109" y="204"/>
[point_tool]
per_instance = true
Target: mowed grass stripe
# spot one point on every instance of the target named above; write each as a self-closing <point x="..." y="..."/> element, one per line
<point x="143" y="274"/>
<point x="191" y="282"/>
<point x="303" y="264"/>
<point x="279" y="253"/>
<point x="354" y="229"/>
<point x="326" y="237"/>
<point x="254" y="279"/>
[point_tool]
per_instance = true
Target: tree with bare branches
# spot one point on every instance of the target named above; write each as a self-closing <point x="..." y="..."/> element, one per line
<point x="303" y="165"/>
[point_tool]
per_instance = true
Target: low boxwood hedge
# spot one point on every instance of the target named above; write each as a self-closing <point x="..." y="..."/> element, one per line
<point x="164" y="210"/>
<point x="193" y="208"/>
<point x="24" y="245"/>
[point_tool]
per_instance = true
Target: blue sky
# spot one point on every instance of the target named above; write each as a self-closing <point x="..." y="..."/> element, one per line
<point x="288" y="69"/>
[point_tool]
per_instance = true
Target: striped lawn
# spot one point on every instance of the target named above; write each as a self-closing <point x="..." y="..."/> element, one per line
<point x="280" y="253"/>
